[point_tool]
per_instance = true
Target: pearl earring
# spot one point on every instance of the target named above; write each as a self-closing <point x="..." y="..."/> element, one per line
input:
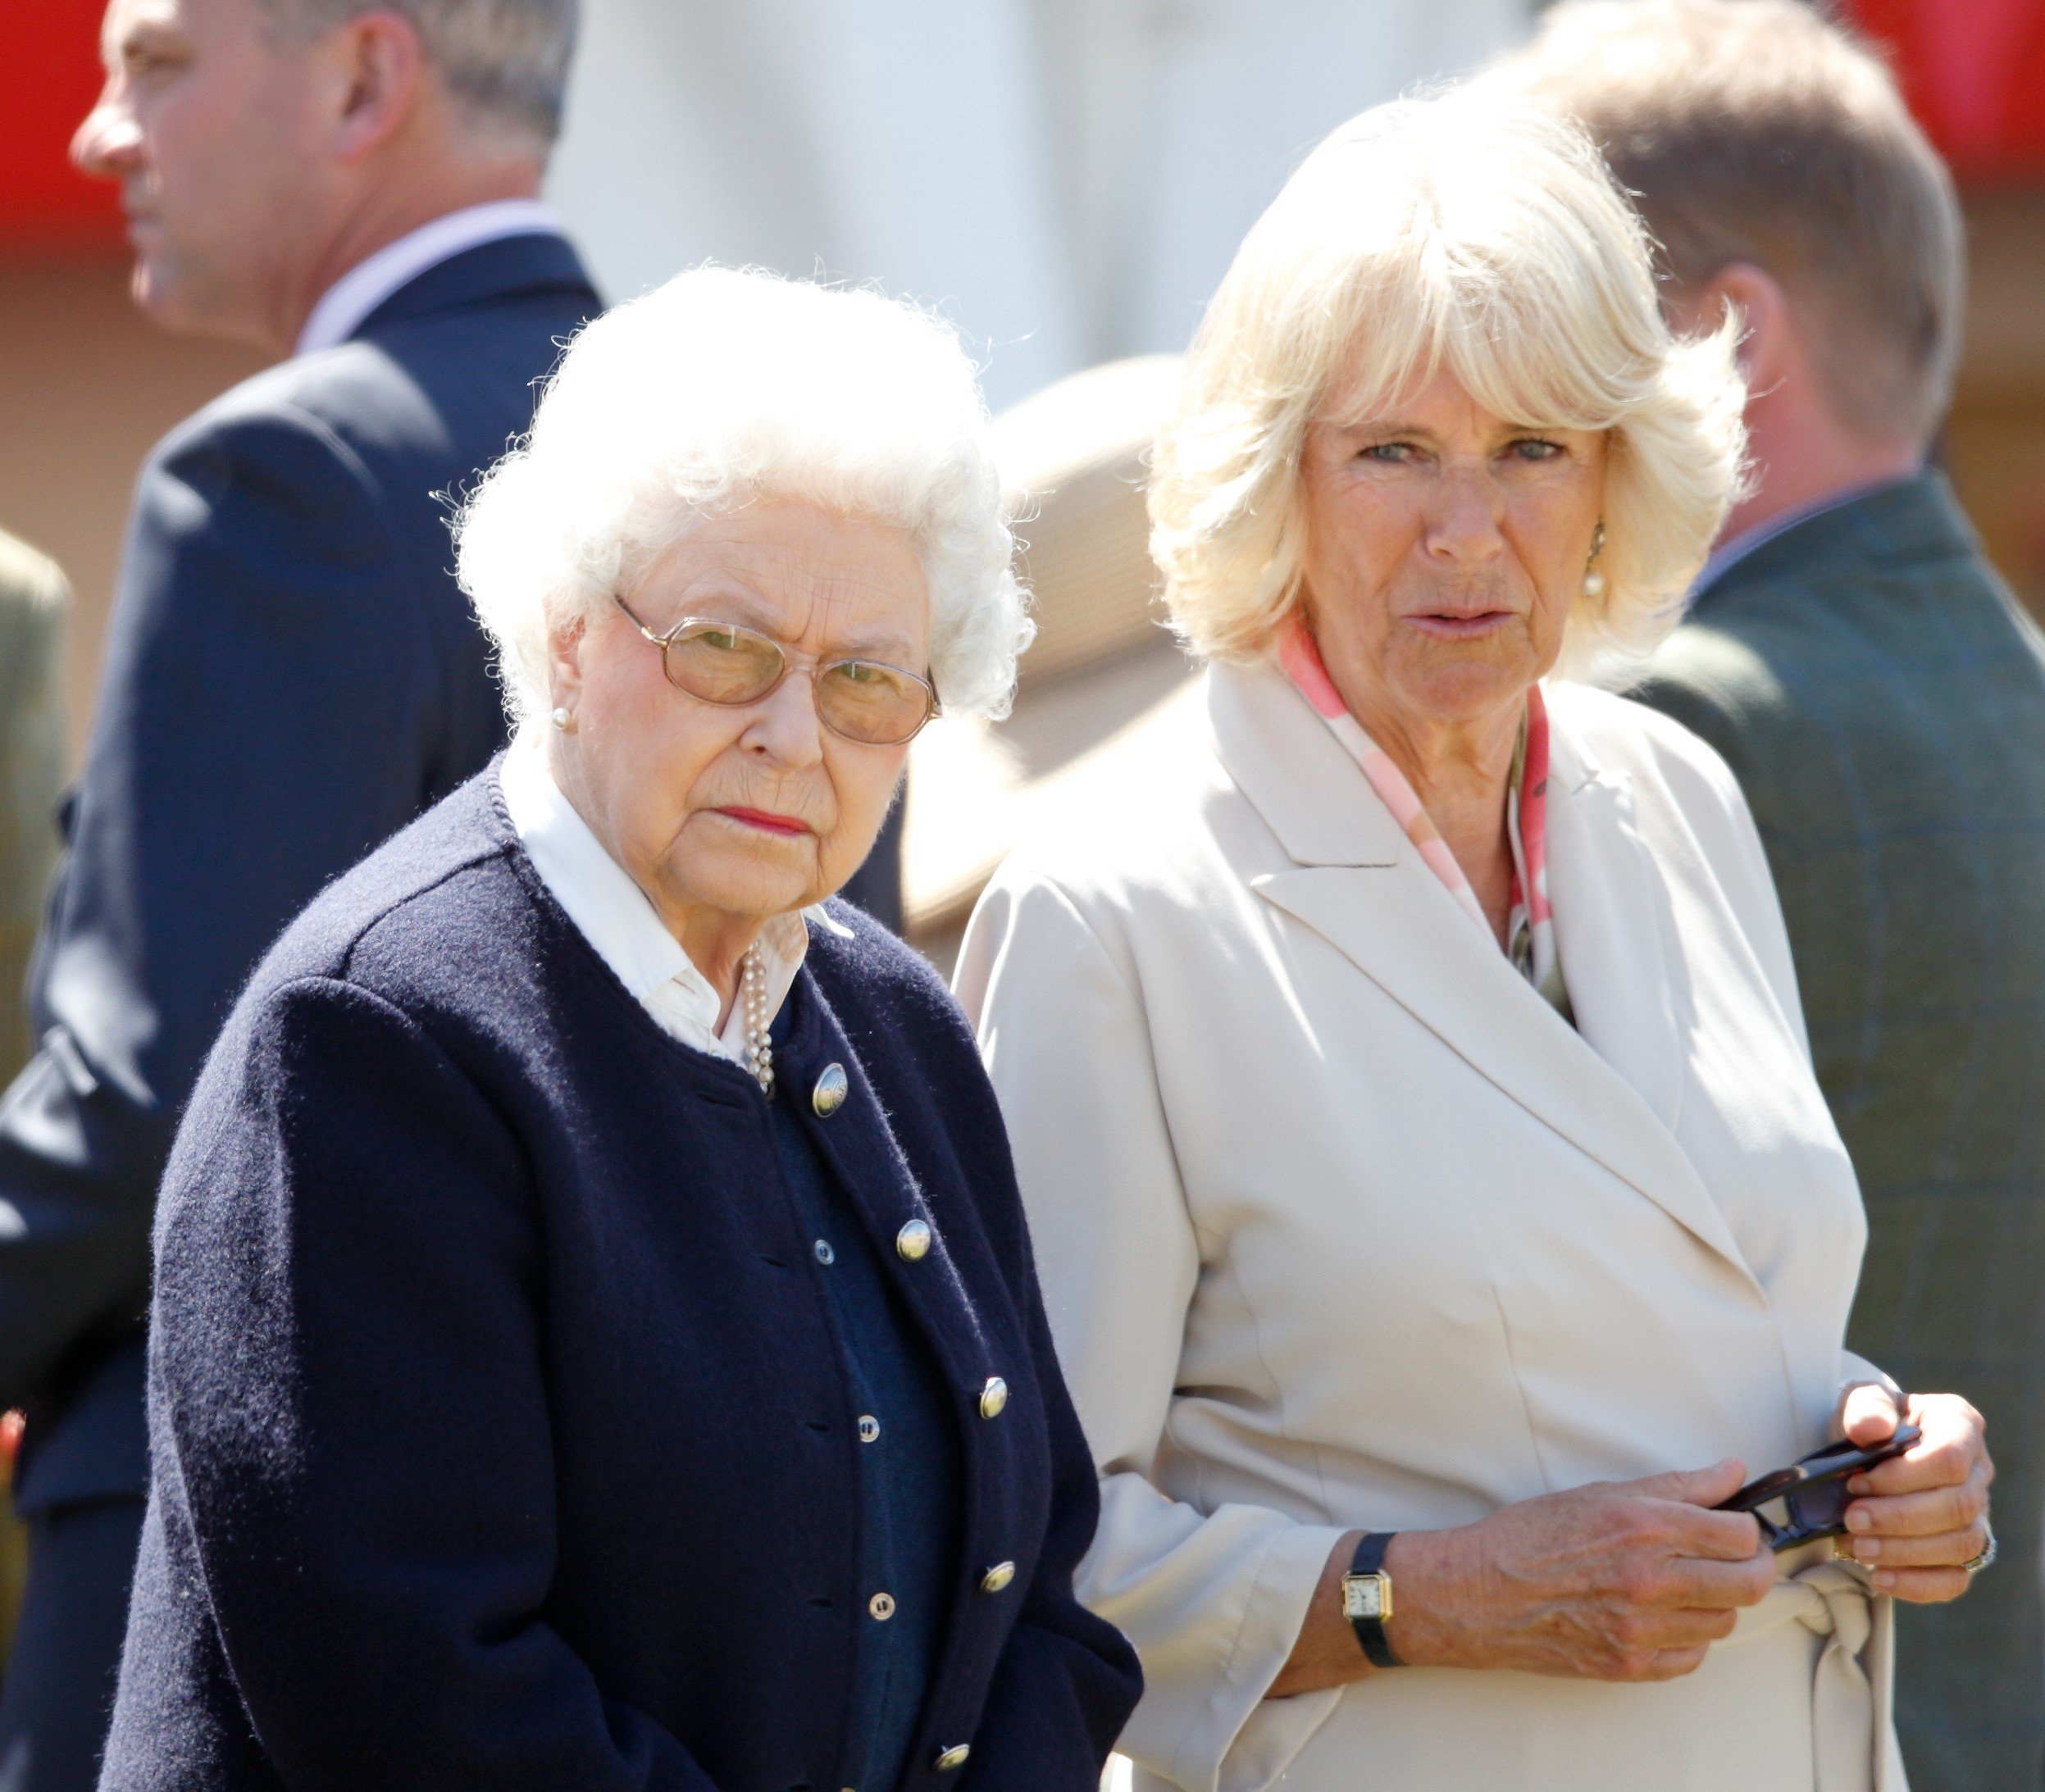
<point x="1593" y="580"/>
<point x="564" y="721"/>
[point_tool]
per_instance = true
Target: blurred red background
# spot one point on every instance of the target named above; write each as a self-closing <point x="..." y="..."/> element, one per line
<point x="1975" y="70"/>
<point x="53" y="47"/>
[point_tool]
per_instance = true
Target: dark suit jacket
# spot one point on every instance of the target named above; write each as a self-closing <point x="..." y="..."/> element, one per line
<point x="503" y="1435"/>
<point x="1881" y="700"/>
<point x="291" y="676"/>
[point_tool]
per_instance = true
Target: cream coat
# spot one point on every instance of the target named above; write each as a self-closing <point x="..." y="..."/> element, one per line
<point x="1341" y="1225"/>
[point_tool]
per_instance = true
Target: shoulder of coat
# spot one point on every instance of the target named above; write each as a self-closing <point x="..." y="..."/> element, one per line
<point x="1617" y="734"/>
<point x="1144" y="812"/>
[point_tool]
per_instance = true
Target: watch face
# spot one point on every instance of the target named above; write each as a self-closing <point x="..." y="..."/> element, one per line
<point x="1363" y="1595"/>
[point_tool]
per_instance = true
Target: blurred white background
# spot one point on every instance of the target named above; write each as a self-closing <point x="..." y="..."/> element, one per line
<point x="1066" y="178"/>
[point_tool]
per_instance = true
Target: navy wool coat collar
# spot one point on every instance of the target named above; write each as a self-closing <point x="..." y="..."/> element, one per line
<point x="500" y="1435"/>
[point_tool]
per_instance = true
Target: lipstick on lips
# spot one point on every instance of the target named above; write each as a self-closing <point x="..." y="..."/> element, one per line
<point x="786" y="825"/>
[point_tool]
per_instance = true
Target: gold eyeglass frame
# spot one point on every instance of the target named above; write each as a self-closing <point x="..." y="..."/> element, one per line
<point x="788" y="664"/>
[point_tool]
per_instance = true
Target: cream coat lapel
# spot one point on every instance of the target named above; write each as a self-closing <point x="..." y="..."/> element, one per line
<point x="1613" y="928"/>
<point x="1361" y="889"/>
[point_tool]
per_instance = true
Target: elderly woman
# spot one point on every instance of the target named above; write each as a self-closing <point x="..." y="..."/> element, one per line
<point x="596" y="1343"/>
<point x="1431" y="1188"/>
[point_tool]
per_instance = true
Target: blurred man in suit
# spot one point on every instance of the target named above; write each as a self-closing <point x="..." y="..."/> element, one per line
<point x="1881" y="700"/>
<point x="33" y="598"/>
<point x="291" y="673"/>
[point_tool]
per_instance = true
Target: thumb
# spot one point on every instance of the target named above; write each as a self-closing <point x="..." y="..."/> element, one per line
<point x="1694" y="1486"/>
<point x="1869" y="1414"/>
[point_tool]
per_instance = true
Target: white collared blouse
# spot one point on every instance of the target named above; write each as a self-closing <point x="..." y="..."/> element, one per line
<point x="617" y="919"/>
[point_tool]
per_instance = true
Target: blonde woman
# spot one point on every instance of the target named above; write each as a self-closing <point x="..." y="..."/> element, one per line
<point x="1436" y="1213"/>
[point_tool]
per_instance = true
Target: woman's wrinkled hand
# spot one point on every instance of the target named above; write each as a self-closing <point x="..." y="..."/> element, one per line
<point x="1919" y="1515"/>
<point x="1621" y="1580"/>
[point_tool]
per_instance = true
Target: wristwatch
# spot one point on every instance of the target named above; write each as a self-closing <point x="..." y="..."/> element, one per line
<point x="1367" y="1598"/>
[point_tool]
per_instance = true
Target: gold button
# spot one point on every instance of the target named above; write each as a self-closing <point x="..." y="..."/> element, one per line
<point x="993" y="1397"/>
<point x="953" y="1758"/>
<point x="869" y="1429"/>
<point x="881" y="1605"/>
<point x="829" y="1095"/>
<point x="997" y="1577"/>
<point x="912" y="1243"/>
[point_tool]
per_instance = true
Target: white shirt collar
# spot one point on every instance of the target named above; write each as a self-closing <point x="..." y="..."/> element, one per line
<point x="617" y="919"/>
<point x="350" y="299"/>
<point x="1734" y="549"/>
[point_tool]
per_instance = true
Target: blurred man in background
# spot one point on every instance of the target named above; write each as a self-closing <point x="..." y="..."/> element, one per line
<point x="1881" y="700"/>
<point x="291" y="673"/>
<point x="34" y="600"/>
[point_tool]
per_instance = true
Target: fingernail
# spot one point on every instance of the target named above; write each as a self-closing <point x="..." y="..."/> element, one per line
<point x="1856" y="1519"/>
<point x="1859" y="1484"/>
<point x="1866" y="1549"/>
<point x="1885" y="1579"/>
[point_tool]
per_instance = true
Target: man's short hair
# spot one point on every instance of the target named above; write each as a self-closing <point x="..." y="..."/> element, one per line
<point x="507" y="59"/>
<point x="1759" y="131"/>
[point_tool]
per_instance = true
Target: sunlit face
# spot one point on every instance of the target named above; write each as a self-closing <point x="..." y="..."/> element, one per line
<point x="1444" y="547"/>
<point x="208" y="122"/>
<point x="756" y="810"/>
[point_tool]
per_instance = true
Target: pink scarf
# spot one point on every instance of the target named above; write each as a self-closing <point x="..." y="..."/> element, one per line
<point x="1530" y="926"/>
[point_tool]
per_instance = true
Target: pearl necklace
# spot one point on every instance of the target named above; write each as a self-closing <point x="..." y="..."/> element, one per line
<point x="759" y="1048"/>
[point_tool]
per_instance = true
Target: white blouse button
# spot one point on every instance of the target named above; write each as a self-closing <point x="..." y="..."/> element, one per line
<point x="869" y="1429"/>
<point x="824" y="1254"/>
<point x="881" y="1605"/>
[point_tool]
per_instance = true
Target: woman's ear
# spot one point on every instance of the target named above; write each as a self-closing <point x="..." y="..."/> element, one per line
<point x="564" y="663"/>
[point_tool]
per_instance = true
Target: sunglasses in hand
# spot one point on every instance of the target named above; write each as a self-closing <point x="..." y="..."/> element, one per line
<point x="1809" y="1499"/>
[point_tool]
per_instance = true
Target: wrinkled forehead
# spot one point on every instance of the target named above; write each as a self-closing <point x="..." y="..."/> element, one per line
<point x="844" y="585"/>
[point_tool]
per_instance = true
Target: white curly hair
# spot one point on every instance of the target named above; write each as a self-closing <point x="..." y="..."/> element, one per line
<point x="726" y="386"/>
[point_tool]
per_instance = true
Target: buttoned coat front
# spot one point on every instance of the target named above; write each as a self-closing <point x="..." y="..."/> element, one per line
<point x="501" y="1435"/>
<point x="1341" y="1225"/>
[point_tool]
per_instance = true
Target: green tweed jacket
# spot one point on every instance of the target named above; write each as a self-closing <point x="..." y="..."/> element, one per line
<point x="33" y="601"/>
<point x="1881" y="700"/>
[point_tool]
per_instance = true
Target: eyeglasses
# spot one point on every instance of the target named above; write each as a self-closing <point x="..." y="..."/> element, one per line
<point x="721" y="662"/>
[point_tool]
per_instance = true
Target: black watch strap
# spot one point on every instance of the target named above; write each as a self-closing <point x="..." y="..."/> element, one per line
<point x="1369" y="1560"/>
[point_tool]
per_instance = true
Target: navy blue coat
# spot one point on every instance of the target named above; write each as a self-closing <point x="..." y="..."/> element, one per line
<point x="291" y="676"/>
<point x="502" y="1440"/>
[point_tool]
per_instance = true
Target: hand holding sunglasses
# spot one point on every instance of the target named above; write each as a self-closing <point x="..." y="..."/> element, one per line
<point x="1808" y="1500"/>
<point x="1917" y="1516"/>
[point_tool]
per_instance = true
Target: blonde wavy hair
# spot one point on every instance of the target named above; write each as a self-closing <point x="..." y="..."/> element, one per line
<point x="1473" y="231"/>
